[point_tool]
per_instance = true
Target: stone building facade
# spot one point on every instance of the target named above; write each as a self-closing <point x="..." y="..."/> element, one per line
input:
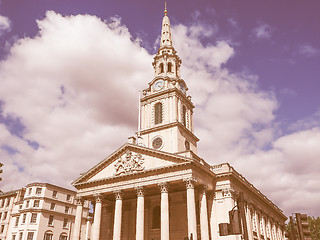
<point x="156" y="186"/>
<point x="40" y="211"/>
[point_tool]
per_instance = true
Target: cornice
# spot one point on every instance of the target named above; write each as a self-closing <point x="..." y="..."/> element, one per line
<point x="165" y="93"/>
<point x="233" y="173"/>
<point x="38" y="210"/>
<point x="50" y="199"/>
<point x="10" y="193"/>
<point x="36" y="184"/>
<point x="170" y="125"/>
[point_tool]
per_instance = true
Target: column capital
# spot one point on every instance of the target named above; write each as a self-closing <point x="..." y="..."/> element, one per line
<point x="190" y="182"/>
<point x="204" y="189"/>
<point x="98" y="197"/>
<point x="140" y="191"/>
<point x="118" y="194"/>
<point x="164" y="188"/>
<point x="79" y="200"/>
<point x="229" y="192"/>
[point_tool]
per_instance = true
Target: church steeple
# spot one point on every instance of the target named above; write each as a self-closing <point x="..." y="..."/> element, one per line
<point x="166" y="62"/>
<point x="166" y="30"/>
<point x="166" y="109"/>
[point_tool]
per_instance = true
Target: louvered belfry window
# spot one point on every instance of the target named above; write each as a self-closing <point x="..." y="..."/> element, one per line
<point x="158" y="113"/>
<point x="184" y="116"/>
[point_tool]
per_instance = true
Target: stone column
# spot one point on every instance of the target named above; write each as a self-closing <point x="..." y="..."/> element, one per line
<point x="165" y="231"/>
<point x="263" y="221"/>
<point x="204" y="224"/>
<point x="78" y="219"/>
<point x="140" y="214"/>
<point x="191" y="209"/>
<point x="117" y="215"/>
<point x="88" y="226"/>
<point x="97" y="218"/>
<point x="249" y="221"/>
<point x="214" y="217"/>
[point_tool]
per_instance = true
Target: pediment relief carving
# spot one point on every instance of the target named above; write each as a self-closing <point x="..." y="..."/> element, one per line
<point x="129" y="163"/>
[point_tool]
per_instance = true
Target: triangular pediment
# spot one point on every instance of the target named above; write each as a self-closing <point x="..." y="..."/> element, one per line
<point x="130" y="159"/>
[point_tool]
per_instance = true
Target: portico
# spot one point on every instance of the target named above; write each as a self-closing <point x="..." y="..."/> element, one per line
<point x="150" y="204"/>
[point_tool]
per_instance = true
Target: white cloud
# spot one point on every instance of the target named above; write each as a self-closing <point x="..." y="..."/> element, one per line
<point x="289" y="172"/>
<point x="76" y="95"/>
<point x="5" y="24"/>
<point x="262" y="31"/>
<point x="308" y="51"/>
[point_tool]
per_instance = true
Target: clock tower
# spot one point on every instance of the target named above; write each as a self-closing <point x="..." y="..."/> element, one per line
<point x="166" y="122"/>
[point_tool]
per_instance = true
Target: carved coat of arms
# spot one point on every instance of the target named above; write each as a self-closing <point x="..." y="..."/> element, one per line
<point x="131" y="162"/>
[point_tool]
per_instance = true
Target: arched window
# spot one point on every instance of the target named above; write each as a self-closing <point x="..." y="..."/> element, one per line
<point x="48" y="235"/>
<point x="184" y="116"/>
<point x="169" y="67"/>
<point x="156" y="217"/>
<point x="158" y="113"/>
<point x="63" y="236"/>
<point x="161" y="68"/>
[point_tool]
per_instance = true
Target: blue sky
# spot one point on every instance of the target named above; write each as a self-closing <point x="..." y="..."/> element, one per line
<point x="70" y="73"/>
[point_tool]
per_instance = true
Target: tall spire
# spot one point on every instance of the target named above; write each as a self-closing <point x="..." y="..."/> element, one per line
<point x="166" y="30"/>
<point x="165" y="8"/>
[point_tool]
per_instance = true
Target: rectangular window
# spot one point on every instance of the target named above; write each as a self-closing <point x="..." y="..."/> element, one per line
<point x="54" y="194"/>
<point x="30" y="236"/>
<point x="38" y="190"/>
<point x="68" y="197"/>
<point x="36" y="203"/>
<point x="8" y="202"/>
<point x="30" y="191"/>
<point x="66" y="210"/>
<point x="13" y="237"/>
<point x="20" y="235"/>
<point x="27" y="203"/>
<point x="65" y="223"/>
<point x="24" y="217"/>
<point x="5" y="215"/>
<point x="2" y="229"/>
<point x="17" y="222"/>
<point x="2" y="203"/>
<point x="0" y="215"/>
<point x="50" y="222"/>
<point x="33" y="218"/>
<point x="52" y="206"/>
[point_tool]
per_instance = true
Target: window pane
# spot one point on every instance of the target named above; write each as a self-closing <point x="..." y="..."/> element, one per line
<point x="33" y="218"/>
<point x="50" y="223"/>
<point x="38" y="190"/>
<point x="54" y="194"/>
<point x="52" y="206"/>
<point x="30" y="236"/>
<point x="158" y="113"/>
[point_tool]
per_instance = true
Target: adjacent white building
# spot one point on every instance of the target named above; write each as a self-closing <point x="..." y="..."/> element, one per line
<point x="157" y="187"/>
<point x="39" y="211"/>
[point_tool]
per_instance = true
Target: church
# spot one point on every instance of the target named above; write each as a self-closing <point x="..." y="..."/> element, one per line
<point x="156" y="187"/>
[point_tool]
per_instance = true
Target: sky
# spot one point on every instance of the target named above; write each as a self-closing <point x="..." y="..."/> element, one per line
<point x="70" y="73"/>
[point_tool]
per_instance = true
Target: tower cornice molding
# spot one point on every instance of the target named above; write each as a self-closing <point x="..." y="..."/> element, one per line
<point x="165" y="93"/>
<point x="169" y="125"/>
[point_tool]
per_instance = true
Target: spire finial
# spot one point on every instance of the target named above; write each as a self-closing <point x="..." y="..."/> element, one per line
<point x="165" y="8"/>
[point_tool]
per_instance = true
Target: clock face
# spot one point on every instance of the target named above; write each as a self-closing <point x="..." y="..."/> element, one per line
<point x="158" y="85"/>
<point x="157" y="143"/>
